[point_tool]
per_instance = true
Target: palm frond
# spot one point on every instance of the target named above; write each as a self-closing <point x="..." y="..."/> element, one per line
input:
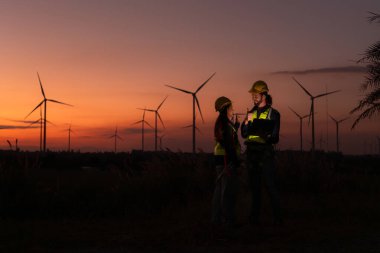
<point x="374" y="17"/>
<point x="367" y="114"/>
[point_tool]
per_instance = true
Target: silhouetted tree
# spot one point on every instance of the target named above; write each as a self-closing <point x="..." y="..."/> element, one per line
<point x="370" y="104"/>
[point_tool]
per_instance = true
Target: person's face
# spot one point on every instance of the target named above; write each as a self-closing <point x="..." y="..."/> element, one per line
<point x="257" y="98"/>
<point x="230" y="111"/>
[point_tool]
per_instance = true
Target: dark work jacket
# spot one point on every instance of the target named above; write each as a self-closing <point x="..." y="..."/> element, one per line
<point x="274" y="137"/>
<point x="225" y="132"/>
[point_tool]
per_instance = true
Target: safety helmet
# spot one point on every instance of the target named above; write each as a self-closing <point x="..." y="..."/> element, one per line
<point x="259" y="87"/>
<point x="221" y="102"/>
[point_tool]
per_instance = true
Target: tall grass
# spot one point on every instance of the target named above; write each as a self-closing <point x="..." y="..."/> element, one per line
<point x="138" y="184"/>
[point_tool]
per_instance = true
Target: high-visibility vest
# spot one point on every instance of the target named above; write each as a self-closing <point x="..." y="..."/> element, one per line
<point x="220" y="150"/>
<point x="263" y="115"/>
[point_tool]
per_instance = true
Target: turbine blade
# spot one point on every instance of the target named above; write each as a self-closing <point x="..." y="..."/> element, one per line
<point x="149" y="110"/>
<point x="344" y="119"/>
<point x="302" y="87"/>
<point x="179" y="89"/>
<point x="203" y="84"/>
<point x="160" y="119"/>
<point x="199" y="131"/>
<point x="161" y="103"/>
<point x="146" y="122"/>
<point x="35" y="108"/>
<point x="137" y="122"/>
<point x="34" y="122"/>
<point x="42" y="88"/>
<point x="294" y="112"/>
<point x="311" y="111"/>
<point x="333" y="118"/>
<point x="325" y="94"/>
<point x="47" y="121"/>
<point x="199" y="108"/>
<point x="55" y="101"/>
<point x="10" y="144"/>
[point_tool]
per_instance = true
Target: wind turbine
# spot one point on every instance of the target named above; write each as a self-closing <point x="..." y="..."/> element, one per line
<point x="236" y="115"/>
<point x="116" y="136"/>
<point x="195" y="100"/>
<point x="143" y="121"/>
<point x="69" y="131"/>
<point x="44" y="102"/>
<point x="312" y="111"/>
<point x="301" y="119"/>
<point x="157" y="115"/>
<point x="161" y="137"/>
<point x="337" y="122"/>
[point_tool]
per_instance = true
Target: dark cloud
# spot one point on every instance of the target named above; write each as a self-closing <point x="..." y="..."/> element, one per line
<point x="16" y="127"/>
<point x="346" y="69"/>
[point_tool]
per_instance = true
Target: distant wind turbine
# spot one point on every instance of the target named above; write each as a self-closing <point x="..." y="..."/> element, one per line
<point x="236" y="115"/>
<point x="10" y="145"/>
<point x="337" y="122"/>
<point x="143" y="121"/>
<point x="44" y="102"/>
<point x="312" y="111"/>
<point x="301" y="119"/>
<point x="40" y="122"/>
<point x="157" y="115"/>
<point x="69" y="130"/>
<point x="195" y="100"/>
<point x="116" y="137"/>
<point x="161" y="137"/>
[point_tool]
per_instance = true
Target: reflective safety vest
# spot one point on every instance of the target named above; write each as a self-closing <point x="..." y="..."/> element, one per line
<point x="219" y="149"/>
<point x="263" y="115"/>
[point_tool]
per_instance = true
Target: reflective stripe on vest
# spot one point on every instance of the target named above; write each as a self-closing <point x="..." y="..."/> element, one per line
<point x="263" y="115"/>
<point x="219" y="149"/>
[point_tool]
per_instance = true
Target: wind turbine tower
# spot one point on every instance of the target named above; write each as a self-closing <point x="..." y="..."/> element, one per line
<point x="44" y="102"/>
<point x="157" y="115"/>
<point x="337" y="122"/>
<point x="70" y="131"/>
<point x="301" y="119"/>
<point x="143" y="121"/>
<point x="116" y="137"/>
<point x="312" y="111"/>
<point x="195" y="101"/>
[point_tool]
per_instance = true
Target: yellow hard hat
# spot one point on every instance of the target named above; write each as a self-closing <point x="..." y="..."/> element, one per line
<point x="221" y="102"/>
<point x="259" y="87"/>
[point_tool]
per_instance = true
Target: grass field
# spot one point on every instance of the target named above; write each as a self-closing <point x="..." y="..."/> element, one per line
<point x="161" y="202"/>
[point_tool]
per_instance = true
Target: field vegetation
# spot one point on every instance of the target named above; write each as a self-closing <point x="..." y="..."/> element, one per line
<point x="161" y="202"/>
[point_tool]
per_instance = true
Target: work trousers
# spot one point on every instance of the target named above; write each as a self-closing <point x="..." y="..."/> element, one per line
<point x="225" y="196"/>
<point x="261" y="167"/>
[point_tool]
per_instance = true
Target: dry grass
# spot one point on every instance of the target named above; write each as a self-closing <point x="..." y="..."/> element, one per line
<point x="161" y="202"/>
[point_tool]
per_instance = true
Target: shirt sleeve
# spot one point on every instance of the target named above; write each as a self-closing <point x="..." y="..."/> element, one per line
<point x="275" y="136"/>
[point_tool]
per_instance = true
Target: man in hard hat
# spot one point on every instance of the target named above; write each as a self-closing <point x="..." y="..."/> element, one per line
<point x="226" y="155"/>
<point x="260" y="149"/>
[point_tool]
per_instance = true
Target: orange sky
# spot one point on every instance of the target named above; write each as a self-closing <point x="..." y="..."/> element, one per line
<point x="108" y="58"/>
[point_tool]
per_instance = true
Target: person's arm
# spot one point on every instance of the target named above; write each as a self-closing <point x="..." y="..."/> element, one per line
<point x="244" y="129"/>
<point x="275" y="136"/>
<point x="229" y="144"/>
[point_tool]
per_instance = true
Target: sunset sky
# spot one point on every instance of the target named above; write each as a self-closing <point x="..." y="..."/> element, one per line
<point x="108" y="58"/>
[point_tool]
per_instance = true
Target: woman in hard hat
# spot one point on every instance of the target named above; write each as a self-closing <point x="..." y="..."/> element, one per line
<point x="260" y="149"/>
<point x="226" y="153"/>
